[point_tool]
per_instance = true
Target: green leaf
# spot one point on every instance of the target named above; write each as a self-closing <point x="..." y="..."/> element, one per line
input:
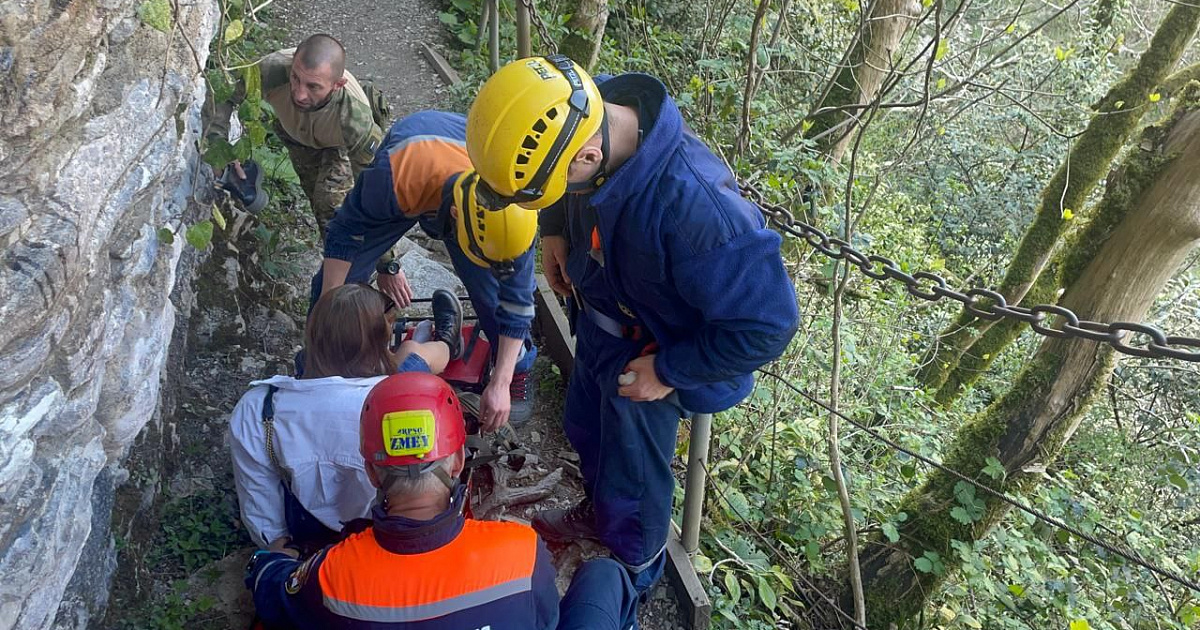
<point x="732" y="586"/>
<point x="449" y="19"/>
<point x="256" y="132"/>
<point x="221" y="87"/>
<point x="994" y="468"/>
<point x="200" y="235"/>
<point x="156" y="14"/>
<point x="1080" y="624"/>
<point x="219" y="153"/>
<point x="890" y="532"/>
<point x="252" y="77"/>
<point x="908" y="471"/>
<point x="1016" y="589"/>
<point x="701" y="563"/>
<point x="924" y="565"/>
<point x="943" y="47"/>
<point x="941" y="83"/>
<point x="234" y="31"/>
<point x="766" y="594"/>
<point x="217" y="217"/>
<point x="241" y="150"/>
<point x="961" y="515"/>
<point x="166" y="236"/>
<point x="1178" y="481"/>
<point x="970" y="621"/>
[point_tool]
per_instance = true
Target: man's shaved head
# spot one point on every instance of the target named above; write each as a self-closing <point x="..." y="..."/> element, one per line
<point x="318" y="70"/>
<point x="321" y="50"/>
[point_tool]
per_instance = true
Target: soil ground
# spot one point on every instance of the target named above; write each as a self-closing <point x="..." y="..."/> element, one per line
<point x="182" y="547"/>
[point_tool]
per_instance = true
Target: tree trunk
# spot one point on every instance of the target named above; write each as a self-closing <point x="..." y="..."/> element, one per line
<point x="585" y="32"/>
<point x="1119" y="113"/>
<point x="1151" y="205"/>
<point x="857" y="81"/>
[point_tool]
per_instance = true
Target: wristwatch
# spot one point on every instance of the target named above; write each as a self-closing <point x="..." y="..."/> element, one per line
<point x="390" y="268"/>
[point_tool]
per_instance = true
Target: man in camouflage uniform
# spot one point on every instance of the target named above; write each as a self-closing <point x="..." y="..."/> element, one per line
<point x="330" y="124"/>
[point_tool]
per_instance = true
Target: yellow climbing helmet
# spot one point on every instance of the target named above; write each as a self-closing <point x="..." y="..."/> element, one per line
<point x="526" y="125"/>
<point x="490" y="238"/>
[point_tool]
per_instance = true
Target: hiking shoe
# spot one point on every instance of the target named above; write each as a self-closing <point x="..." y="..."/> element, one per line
<point x="562" y="526"/>
<point x="247" y="192"/>
<point x="447" y="321"/>
<point x="521" y="393"/>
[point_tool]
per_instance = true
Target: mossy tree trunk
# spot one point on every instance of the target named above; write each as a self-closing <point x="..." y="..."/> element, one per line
<point x="585" y="32"/>
<point x="868" y="62"/>
<point x="1118" y="115"/>
<point x="1152" y="210"/>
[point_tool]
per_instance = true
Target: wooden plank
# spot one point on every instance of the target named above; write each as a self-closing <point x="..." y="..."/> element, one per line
<point x="556" y="331"/>
<point x="695" y="609"/>
<point x="440" y="65"/>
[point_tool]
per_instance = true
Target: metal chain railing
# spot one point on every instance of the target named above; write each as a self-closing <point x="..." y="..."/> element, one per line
<point x="548" y="42"/>
<point x="982" y="303"/>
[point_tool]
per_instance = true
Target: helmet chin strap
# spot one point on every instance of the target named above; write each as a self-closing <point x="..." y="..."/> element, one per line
<point x="601" y="174"/>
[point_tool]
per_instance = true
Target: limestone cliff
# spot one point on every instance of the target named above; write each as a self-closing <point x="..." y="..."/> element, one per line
<point x="98" y="125"/>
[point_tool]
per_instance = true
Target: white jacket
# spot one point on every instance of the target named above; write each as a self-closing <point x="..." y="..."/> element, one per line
<point x="316" y="441"/>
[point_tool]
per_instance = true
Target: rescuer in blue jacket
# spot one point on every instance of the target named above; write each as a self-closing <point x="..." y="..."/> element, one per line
<point x="679" y="288"/>
<point x="421" y="174"/>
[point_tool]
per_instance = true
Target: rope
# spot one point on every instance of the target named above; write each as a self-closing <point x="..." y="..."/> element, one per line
<point x="1034" y="512"/>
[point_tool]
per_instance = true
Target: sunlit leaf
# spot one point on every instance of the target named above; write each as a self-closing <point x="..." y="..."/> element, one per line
<point x="200" y="234"/>
<point x="217" y="217"/>
<point x="234" y="31"/>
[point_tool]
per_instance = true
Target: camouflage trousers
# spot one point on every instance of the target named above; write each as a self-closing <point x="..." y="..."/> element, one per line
<point x="326" y="175"/>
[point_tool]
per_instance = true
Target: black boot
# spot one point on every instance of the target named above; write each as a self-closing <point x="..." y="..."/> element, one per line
<point x="247" y="192"/>
<point x="561" y="526"/>
<point x="447" y="321"/>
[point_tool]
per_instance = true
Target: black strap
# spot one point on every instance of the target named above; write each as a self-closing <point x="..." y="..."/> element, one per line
<point x="268" y="420"/>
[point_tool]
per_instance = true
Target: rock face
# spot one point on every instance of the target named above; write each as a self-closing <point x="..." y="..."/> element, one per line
<point x="99" y="116"/>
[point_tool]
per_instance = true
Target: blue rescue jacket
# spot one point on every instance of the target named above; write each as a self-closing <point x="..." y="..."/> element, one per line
<point x="412" y="178"/>
<point x="686" y="254"/>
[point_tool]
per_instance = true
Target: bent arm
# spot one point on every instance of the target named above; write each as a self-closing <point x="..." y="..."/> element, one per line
<point x="749" y="309"/>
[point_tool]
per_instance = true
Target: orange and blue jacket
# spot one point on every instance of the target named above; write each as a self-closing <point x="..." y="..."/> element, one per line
<point x="448" y="573"/>
<point x="412" y="178"/>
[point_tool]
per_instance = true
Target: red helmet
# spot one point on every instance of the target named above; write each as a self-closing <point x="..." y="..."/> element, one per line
<point x="409" y="419"/>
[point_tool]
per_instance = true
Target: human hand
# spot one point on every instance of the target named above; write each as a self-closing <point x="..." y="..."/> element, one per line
<point x="495" y="405"/>
<point x="396" y="287"/>
<point x="645" y="385"/>
<point x="280" y="546"/>
<point x="237" y="170"/>
<point x="554" y="263"/>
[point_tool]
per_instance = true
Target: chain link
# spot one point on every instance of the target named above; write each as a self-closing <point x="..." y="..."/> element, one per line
<point x="983" y="303"/>
<point x="543" y="32"/>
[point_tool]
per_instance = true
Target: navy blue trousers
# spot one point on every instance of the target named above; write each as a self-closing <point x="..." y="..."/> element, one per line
<point x="482" y="285"/>
<point x="600" y="597"/>
<point x="625" y="450"/>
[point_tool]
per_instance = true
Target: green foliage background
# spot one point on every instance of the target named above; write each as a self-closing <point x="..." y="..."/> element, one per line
<point x="954" y="203"/>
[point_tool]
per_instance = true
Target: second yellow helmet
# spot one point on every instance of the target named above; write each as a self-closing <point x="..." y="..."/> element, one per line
<point x="490" y="238"/>
<point x="526" y="124"/>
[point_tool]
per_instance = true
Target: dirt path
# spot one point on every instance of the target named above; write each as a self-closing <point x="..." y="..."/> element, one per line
<point x="381" y="40"/>
<point x="183" y="547"/>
